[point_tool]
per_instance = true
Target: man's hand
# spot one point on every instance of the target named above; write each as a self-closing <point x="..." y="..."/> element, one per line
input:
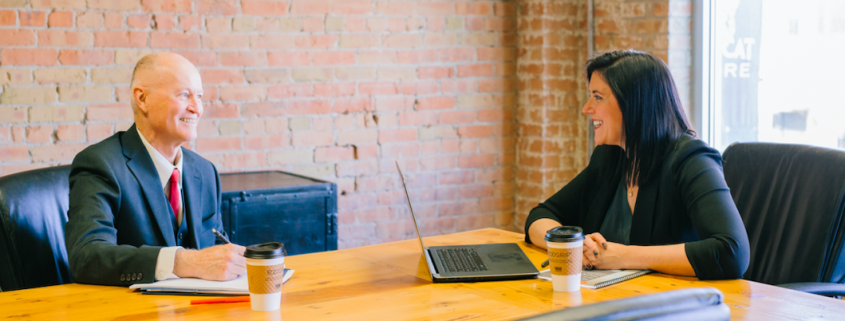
<point x="217" y="263"/>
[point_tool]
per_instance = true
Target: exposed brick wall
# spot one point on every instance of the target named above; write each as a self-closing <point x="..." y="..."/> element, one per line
<point x="553" y="135"/>
<point x="479" y="101"/>
<point x="661" y="27"/>
<point x="331" y="89"/>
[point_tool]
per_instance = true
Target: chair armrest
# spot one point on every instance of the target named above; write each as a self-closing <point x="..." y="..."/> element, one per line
<point x="820" y="288"/>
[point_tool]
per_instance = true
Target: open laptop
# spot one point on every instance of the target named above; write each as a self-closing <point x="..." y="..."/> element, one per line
<point x="472" y="263"/>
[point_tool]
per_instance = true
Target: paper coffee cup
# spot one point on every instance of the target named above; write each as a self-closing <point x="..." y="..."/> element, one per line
<point x="265" y="271"/>
<point x="564" y="244"/>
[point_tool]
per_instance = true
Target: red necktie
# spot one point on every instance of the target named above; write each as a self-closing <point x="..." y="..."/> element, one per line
<point x="174" y="193"/>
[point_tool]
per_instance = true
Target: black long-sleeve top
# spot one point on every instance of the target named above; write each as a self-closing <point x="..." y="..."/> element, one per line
<point x="687" y="202"/>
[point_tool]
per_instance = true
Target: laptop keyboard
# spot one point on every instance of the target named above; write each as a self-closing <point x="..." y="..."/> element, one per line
<point x="460" y="260"/>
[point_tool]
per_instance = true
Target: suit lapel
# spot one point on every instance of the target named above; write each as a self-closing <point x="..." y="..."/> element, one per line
<point x="141" y="166"/>
<point x="641" y="223"/>
<point x="192" y="183"/>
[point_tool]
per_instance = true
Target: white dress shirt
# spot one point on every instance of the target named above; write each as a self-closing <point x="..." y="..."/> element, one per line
<point x="167" y="256"/>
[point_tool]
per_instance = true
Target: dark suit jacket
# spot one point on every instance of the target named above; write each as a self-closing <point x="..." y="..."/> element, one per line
<point x="119" y="218"/>
<point x="687" y="202"/>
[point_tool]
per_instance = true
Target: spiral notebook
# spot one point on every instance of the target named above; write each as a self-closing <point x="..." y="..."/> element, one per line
<point x="191" y="286"/>
<point x="596" y="279"/>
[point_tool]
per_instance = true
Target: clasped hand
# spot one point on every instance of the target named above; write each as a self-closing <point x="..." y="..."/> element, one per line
<point x="600" y="254"/>
<point x="218" y="263"/>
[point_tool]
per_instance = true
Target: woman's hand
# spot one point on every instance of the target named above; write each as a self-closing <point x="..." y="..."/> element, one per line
<point x="600" y="254"/>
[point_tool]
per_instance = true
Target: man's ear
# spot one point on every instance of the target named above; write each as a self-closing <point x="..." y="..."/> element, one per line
<point x="140" y="97"/>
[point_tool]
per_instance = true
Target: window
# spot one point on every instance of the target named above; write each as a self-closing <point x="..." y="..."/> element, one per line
<point x="770" y="71"/>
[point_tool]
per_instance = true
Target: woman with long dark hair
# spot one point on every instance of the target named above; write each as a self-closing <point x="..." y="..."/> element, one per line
<point x="653" y="196"/>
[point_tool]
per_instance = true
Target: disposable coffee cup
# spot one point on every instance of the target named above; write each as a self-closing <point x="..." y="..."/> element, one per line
<point x="565" y="243"/>
<point x="265" y="270"/>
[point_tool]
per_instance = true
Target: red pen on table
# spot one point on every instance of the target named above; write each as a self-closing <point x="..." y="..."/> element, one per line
<point x="221" y="300"/>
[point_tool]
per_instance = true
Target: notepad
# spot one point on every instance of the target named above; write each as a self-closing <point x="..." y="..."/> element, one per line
<point x="596" y="279"/>
<point x="191" y="286"/>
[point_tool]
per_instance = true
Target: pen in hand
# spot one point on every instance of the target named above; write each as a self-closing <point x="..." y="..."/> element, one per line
<point x="220" y="236"/>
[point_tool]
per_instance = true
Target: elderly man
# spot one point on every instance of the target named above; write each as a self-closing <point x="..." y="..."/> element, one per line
<point x="139" y="202"/>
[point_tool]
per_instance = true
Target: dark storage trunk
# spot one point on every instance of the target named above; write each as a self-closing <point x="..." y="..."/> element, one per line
<point x="277" y="206"/>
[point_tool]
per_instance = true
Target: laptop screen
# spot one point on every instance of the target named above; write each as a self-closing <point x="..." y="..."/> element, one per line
<point x="410" y="207"/>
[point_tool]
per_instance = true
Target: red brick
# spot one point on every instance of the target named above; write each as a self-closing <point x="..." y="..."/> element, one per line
<point x="243" y="93"/>
<point x="139" y="21"/>
<point x="333" y="154"/>
<point x="28" y="57"/>
<point x="434" y="72"/>
<point x="39" y="134"/>
<point x="494" y="115"/>
<point x="222" y="76"/>
<point x="457" y="54"/>
<point x="230" y="41"/>
<point x="504" y="9"/>
<point x="244" y="160"/>
<point x="264" y="7"/>
<point x="419" y="87"/>
<point x="217" y="7"/>
<point x="165" y="21"/>
<point x="435" y="8"/>
<point x="109" y="112"/>
<point x="313" y="24"/>
<point x="334" y="58"/>
<point x="474" y="8"/>
<point x="359" y="41"/>
<point x="437" y="102"/>
<point x="352" y="105"/>
<point x="14" y="153"/>
<point x="58" y="4"/>
<point x="98" y="132"/>
<point x="8" y="18"/>
<point x="190" y="23"/>
<point x="119" y="5"/>
<point x="396" y="8"/>
<point x="417" y="118"/>
<point x="397" y="135"/>
<point x="485" y="160"/>
<point x="481" y="131"/>
<point x="479" y="70"/>
<point x="241" y="58"/>
<point x="63" y="38"/>
<point x="86" y="57"/>
<point x="60" y="19"/>
<point x="289" y="58"/>
<point x="394" y="103"/>
<point x="287" y="91"/>
<point x="474" y="24"/>
<point x="357" y="137"/>
<point x="377" y="88"/>
<point x="265" y="142"/>
<point x="89" y="20"/>
<point x="456" y="117"/>
<point x="174" y="40"/>
<point x="29" y="19"/>
<point x="315" y="41"/>
<point x="312" y="139"/>
<point x="199" y="59"/>
<point x="401" y="40"/>
<point x="218" y="110"/>
<point x="58" y="152"/>
<point x="309" y="107"/>
<point x="334" y="89"/>
<point x="496" y="54"/>
<point x="400" y="150"/>
<point x="264" y="41"/>
<point x="350" y="7"/>
<point x="416" y="56"/>
<point x="218" y="144"/>
<point x="17" y="37"/>
<point x="69" y="133"/>
<point x="182" y="6"/>
<point x="135" y="39"/>
<point x="303" y="7"/>
<point x="113" y="20"/>
<point x="263" y="110"/>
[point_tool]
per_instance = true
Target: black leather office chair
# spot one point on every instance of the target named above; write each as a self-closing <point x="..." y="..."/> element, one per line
<point x="791" y="199"/>
<point x="33" y="213"/>
<point x="687" y="304"/>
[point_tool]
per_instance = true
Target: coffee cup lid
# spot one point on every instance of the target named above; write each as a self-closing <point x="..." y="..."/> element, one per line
<point x="269" y="250"/>
<point x="565" y="234"/>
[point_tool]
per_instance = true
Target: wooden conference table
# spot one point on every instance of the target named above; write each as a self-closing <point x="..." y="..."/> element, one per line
<point x="389" y="282"/>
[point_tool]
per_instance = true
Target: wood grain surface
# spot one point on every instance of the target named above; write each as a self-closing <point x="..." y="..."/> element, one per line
<point x="389" y="282"/>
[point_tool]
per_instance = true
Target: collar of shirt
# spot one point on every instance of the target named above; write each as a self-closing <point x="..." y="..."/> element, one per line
<point x="163" y="167"/>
